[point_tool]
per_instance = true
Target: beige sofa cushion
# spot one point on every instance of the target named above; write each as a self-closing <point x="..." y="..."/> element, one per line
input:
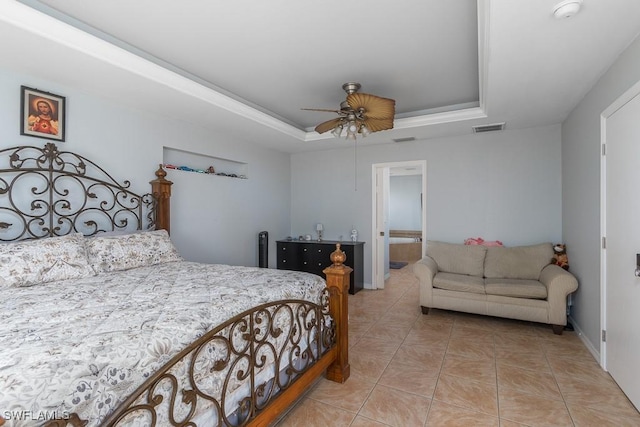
<point x="517" y="288"/>
<point x="457" y="258"/>
<point x="518" y="262"/>
<point x="459" y="282"/>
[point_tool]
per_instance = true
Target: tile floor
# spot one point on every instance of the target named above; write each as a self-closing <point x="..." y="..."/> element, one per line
<point x="454" y="369"/>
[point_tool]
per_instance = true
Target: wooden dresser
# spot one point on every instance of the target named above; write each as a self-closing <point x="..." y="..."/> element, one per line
<point x="313" y="257"/>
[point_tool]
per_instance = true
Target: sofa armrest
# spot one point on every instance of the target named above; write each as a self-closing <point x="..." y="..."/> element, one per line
<point x="559" y="283"/>
<point x="425" y="270"/>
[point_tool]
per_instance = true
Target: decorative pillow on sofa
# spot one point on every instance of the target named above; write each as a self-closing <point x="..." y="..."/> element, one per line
<point x="122" y="252"/>
<point x="457" y="258"/>
<point x="517" y="262"/>
<point x="29" y="262"/>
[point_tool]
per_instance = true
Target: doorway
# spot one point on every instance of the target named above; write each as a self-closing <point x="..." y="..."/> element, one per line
<point x="381" y="207"/>
<point x="620" y="209"/>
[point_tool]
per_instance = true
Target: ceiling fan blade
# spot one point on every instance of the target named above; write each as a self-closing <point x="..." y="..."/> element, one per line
<point x="328" y="125"/>
<point x="375" y="125"/>
<point x="375" y="107"/>
<point x="322" y="109"/>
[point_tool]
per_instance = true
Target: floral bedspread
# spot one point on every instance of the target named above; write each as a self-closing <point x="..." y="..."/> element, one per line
<point x="83" y="345"/>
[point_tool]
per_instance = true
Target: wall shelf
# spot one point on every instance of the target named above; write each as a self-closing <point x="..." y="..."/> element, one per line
<point x="175" y="159"/>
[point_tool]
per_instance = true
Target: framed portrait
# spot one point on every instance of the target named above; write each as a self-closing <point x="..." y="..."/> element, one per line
<point x="42" y="115"/>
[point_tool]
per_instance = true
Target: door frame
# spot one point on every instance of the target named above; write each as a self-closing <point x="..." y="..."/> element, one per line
<point x="627" y="96"/>
<point x="375" y="213"/>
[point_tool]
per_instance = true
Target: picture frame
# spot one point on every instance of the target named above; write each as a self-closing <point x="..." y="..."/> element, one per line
<point x="43" y="114"/>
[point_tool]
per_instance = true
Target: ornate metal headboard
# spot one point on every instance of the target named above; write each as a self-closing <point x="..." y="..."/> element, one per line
<point x="45" y="192"/>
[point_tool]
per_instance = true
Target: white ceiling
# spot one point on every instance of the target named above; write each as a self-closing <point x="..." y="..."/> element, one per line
<point x="246" y="68"/>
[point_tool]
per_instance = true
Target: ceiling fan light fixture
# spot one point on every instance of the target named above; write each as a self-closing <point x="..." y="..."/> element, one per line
<point x="360" y="113"/>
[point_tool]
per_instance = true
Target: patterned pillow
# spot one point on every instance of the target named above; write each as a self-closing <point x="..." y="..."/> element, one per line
<point x="29" y="262"/>
<point x="122" y="252"/>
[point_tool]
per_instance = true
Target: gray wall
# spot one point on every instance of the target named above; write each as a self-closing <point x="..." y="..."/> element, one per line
<point x="498" y="185"/>
<point x="405" y="208"/>
<point x="214" y="219"/>
<point x="581" y="188"/>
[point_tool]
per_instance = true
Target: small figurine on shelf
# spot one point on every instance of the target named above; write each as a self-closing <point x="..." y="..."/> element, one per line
<point x="210" y="169"/>
<point x="354" y="235"/>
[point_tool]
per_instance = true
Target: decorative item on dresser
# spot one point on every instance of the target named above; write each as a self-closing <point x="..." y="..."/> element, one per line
<point x="310" y="256"/>
<point x="117" y="329"/>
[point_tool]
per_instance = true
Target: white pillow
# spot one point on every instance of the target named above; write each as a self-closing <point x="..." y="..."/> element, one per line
<point x="29" y="262"/>
<point x="122" y="252"/>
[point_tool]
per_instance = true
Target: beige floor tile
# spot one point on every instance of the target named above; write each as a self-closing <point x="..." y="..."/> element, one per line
<point x="572" y="351"/>
<point x="421" y="356"/>
<point x="399" y="319"/>
<point x="366" y="365"/>
<point x="532" y="360"/>
<point x="604" y="396"/>
<point x="579" y="369"/>
<point x="476" y="321"/>
<point x="349" y="396"/>
<point x="389" y="333"/>
<point x="472" y="369"/>
<point x="509" y="423"/>
<point x="311" y="413"/>
<point x="410" y="378"/>
<point x="444" y="415"/>
<point x="438" y="316"/>
<point x="533" y="410"/>
<point x="428" y="334"/>
<point x="361" y="421"/>
<point x="519" y="343"/>
<point x="526" y="381"/>
<point x="373" y="346"/>
<point x="472" y="334"/>
<point x="395" y="407"/>
<point x="474" y="395"/>
<point x="471" y="349"/>
<point x="587" y="417"/>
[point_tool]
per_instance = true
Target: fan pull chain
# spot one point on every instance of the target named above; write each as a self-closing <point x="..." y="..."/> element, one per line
<point x="355" y="166"/>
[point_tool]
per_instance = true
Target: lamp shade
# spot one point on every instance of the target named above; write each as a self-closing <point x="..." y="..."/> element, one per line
<point x="319" y="227"/>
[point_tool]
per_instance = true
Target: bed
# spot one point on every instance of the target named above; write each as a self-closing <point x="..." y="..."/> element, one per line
<point x="104" y="323"/>
<point x="405" y="245"/>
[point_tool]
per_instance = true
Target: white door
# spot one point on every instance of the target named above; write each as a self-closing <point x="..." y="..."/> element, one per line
<point x="622" y="219"/>
<point x="380" y="224"/>
<point x="380" y="216"/>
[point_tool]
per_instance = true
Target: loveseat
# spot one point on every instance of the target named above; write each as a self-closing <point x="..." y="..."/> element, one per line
<point x="517" y="282"/>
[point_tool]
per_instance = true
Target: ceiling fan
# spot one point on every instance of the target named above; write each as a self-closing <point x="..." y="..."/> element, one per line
<point x="360" y="113"/>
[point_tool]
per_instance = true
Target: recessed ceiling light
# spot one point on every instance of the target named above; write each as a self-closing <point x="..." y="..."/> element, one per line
<point x="567" y="9"/>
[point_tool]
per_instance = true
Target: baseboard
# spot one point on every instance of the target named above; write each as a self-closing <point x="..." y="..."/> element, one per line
<point x="594" y="352"/>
